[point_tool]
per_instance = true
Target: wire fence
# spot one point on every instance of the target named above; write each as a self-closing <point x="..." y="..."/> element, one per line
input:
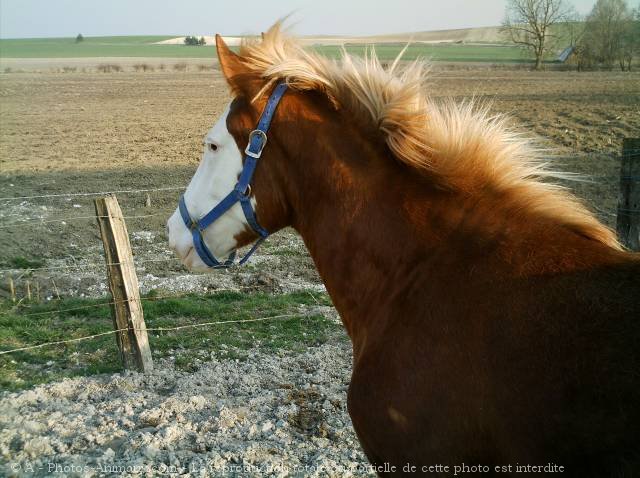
<point x="83" y="265"/>
<point x="20" y="307"/>
<point x="80" y="265"/>
<point x="30" y="222"/>
<point x="151" y="298"/>
<point x="100" y="193"/>
<point x="148" y="329"/>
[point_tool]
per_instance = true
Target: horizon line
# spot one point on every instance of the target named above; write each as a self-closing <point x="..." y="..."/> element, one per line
<point x="244" y="35"/>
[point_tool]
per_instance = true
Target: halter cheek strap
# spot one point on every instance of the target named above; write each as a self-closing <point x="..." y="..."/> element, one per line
<point x="241" y="192"/>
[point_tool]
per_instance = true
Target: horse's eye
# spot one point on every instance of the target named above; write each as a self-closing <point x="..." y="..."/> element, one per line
<point x="213" y="147"/>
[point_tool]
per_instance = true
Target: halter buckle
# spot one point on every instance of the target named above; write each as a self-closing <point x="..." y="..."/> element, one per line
<point x="193" y="225"/>
<point x="263" y="143"/>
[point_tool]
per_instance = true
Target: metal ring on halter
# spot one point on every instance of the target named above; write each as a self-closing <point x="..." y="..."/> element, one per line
<point x="247" y="192"/>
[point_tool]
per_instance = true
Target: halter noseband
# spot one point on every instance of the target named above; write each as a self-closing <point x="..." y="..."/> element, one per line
<point x="241" y="192"/>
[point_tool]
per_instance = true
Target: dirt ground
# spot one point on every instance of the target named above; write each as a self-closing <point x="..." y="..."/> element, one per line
<point x="274" y="415"/>
<point x="83" y="132"/>
<point x="54" y="121"/>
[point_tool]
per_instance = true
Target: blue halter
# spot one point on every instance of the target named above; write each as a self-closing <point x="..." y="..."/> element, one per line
<point x="241" y="192"/>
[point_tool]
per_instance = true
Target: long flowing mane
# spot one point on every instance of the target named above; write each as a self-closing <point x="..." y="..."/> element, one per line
<point x="460" y="145"/>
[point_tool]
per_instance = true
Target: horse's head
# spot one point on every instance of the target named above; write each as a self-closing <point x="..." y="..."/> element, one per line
<point x="223" y="161"/>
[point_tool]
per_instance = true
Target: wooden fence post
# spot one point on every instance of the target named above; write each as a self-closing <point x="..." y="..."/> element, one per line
<point x="628" y="221"/>
<point x="126" y="309"/>
<point x="12" y="289"/>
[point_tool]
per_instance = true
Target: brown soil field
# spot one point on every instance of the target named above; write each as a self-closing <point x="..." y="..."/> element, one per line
<point x="55" y="121"/>
<point x="83" y="132"/>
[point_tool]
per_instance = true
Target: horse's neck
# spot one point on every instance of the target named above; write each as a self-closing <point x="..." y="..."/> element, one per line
<point x="358" y="220"/>
<point x="376" y="229"/>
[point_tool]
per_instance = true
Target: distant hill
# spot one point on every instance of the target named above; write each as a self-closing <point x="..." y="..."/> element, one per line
<point x="461" y="35"/>
<point x="460" y="45"/>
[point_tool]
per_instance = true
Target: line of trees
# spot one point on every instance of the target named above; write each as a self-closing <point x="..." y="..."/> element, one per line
<point x="194" y="41"/>
<point x="608" y="35"/>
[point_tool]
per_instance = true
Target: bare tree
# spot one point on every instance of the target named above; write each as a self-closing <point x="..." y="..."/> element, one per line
<point x="529" y="23"/>
<point x="609" y="33"/>
<point x="630" y="39"/>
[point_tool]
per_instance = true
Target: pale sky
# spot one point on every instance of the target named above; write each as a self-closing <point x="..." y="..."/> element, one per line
<point x="65" y="18"/>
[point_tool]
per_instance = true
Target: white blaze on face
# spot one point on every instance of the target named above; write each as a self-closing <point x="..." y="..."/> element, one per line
<point x="215" y="177"/>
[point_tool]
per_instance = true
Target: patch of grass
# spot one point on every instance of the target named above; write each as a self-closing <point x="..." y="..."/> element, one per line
<point x="142" y="46"/>
<point x="65" y="319"/>
<point x="285" y="251"/>
<point x="20" y="262"/>
<point x="282" y="248"/>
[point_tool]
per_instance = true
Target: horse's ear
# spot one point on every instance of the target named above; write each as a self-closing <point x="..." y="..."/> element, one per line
<point x="230" y="63"/>
<point x="238" y="75"/>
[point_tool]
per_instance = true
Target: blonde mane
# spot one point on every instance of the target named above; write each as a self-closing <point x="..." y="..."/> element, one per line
<point x="461" y="145"/>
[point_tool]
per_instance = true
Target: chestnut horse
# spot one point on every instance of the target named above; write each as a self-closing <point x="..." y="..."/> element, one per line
<point x="494" y="320"/>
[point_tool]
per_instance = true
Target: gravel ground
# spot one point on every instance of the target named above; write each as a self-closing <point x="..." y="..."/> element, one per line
<point x="270" y="415"/>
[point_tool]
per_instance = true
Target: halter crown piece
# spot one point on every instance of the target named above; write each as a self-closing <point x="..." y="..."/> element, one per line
<point x="241" y="192"/>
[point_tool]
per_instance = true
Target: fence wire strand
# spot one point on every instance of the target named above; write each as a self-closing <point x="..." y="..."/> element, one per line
<point x="74" y="218"/>
<point x="151" y="329"/>
<point x="85" y="265"/>
<point x="36" y="219"/>
<point x="99" y="193"/>
<point x="90" y="265"/>
<point x="142" y="299"/>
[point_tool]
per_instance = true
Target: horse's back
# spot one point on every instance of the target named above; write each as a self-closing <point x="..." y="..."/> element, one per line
<point x="533" y="370"/>
<point x="569" y="365"/>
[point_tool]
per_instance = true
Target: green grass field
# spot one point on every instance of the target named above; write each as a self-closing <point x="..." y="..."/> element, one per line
<point x="143" y="46"/>
<point x="31" y="324"/>
<point x="436" y="52"/>
<point x="126" y="46"/>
